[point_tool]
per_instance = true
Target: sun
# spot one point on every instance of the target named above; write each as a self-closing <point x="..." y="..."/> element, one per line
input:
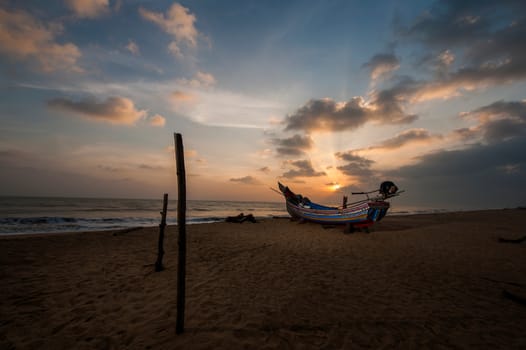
<point x="335" y="187"/>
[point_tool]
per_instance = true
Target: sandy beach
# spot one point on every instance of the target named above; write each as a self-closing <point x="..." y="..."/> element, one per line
<point x="431" y="281"/>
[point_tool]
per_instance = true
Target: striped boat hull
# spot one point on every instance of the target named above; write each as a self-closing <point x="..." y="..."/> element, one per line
<point x="362" y="214"/>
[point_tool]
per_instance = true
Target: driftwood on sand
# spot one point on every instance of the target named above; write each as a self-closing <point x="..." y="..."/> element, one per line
<point x="241" y="218"/>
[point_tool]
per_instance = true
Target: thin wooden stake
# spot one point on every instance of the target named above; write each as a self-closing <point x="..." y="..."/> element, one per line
<point x="181" y="223"/>
<point x="160" y="246"/>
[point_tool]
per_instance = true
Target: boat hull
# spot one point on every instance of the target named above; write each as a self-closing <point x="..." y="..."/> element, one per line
<point x="359" y="215"/>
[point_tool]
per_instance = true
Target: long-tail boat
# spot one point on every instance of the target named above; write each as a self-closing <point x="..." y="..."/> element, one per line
<point x="358" y="214"/>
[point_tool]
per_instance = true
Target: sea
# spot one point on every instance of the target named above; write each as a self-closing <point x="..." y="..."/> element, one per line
<point x="20" y="215"/>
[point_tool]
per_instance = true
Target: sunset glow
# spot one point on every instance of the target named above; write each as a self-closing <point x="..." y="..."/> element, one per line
<point x="328" y="98"/>
<point x="335" y="187"/>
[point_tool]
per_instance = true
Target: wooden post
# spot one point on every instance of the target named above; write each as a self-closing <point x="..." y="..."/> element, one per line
<point x="160" y="246"/>
<point x="181" y="224"/>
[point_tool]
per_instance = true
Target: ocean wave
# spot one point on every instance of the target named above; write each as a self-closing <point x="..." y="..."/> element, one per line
<point x="205" y="220"/>
<point x="65" y="224"/>
<point x="36" y="220"/>
<point x="36" y="215"/>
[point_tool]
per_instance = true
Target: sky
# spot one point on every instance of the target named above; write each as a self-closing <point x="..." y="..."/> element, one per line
<point x="327" y="97"/>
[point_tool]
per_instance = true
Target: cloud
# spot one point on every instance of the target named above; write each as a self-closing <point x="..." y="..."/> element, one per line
<point x="293" y="146"/>
<point x="223" y="108"/>
<point x="496" y="55"/>
<point x="303" y="168"/>
<point x="201" y="79"/>
<point x="264" y="169"/>
<point x="440" y="63"/>
<point x="206" y="79"/>
<point x="181" y="96"/>
<point x="503" y="129"/>
<point x="88" y="8"/>
<point x="179" y="23"/>
<point x="497" y="122"/>
<point x="406" y="137"/>
<point x="382" y="64"/>
<point x="479" y="176"/>
<point x="247" y="180"/>
<point x="182" y="101"/>
<point x="500" y="109"/>
<point x="447" y="24"/>
<point x="157" y="120"/>
<point x="22" y="37"/>
<point x="174" y="49"/>
<point x="362" y="175"/>
<point x="114" y="110"/>
<point x="356" y="166"/>
<point x="453" y="23"/>
<point x="495" y="31"/>
<point x="472" y="78"/>
<point x="407" y="90"/>
<point x="133" y="47"/>
<point x="445" y="58"/>
<point x="328" y="115"/>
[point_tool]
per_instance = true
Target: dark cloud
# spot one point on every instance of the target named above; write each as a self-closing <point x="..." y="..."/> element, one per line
<point x="498" y="122"/>
<point x="247" y="180"/>
<point x="405" y="138"/>
<point x="475" y="77"/>
<point x="356" y="170"/>
<point x="303" y="168"/>
<point x="389" y="103"/>
<point x="513" y="109"/>
<point x="356" y="166"/>
<point x="455" y="23"/>
<point x="465" y="134"/>
<point x="264" y="169"/>
<point x="405" y="90"/>
<point x="293" y="146"/>
<point x="495" y="31"/>
<point x="114" y="110"/>
<point x="328" y="115"/>
<point x="450" y="23"/>
<point x="501" y="130"/>
<point x="351" y="156"/>
<point x="480" y="176"/>
<point x="381" y="64"/>
<point x="438" y="63"/>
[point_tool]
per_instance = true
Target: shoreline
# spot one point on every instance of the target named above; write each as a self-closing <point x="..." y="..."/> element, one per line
<point x="403" y="214"/>
<point x="424" y="280"/>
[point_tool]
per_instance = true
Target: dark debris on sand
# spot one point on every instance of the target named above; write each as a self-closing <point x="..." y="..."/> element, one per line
<point x="241" y="218"/>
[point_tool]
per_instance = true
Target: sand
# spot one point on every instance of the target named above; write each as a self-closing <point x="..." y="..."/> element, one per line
<point x="433" y="281"/>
